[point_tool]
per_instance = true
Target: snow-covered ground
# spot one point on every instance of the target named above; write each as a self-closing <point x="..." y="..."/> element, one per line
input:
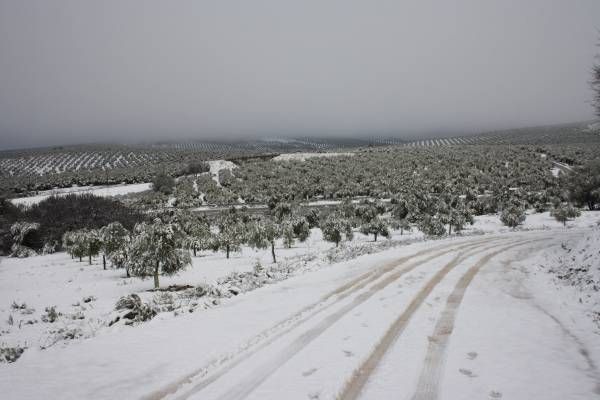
<point x="516" y="334"/>
<point x="305" y="156"/>
<point x="217" y="165"/>
<point x="103" y="191"/>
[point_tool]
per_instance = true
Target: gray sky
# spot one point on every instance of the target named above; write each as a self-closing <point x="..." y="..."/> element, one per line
<point x="80" y="71"/>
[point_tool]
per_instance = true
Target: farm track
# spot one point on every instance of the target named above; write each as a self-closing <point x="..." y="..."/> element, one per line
<point x="433" y="365"/>
<point x="362" y="375"/>
<point x="217" y="368"/>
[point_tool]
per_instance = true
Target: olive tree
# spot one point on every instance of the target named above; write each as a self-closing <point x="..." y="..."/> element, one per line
<point x="155" y="249"/>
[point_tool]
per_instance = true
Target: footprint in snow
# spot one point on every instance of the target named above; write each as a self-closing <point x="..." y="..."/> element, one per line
<point x="309" y="372"/>
<point x="472" y="355"/>
<point x="467" y="372"/>
<point x="364" y="325"/>
<point x="347" y="337"/>
<point x="314" y="395"/>
<point x="348" y="353"/>
<point x="495" y="395"/>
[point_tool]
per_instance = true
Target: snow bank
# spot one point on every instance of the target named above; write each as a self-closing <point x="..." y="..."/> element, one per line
<point x="576" y="264"/>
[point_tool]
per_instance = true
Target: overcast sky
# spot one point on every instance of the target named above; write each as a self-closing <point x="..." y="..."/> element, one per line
<point x="91" y="71"/>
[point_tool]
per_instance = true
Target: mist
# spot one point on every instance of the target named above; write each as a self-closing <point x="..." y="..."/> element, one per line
<point x="77" y="72"/>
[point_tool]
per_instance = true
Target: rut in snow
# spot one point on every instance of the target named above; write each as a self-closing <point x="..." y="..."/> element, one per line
<point x="354" y="387"/>
<point x="216" y="368"/>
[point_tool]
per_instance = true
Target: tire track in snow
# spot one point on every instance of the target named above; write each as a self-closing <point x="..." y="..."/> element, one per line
<point x="433" y="366"/>
<point x="258" y="341"/>
<point x="259" y="375"/>
<point x="360" y="377"/>
<point x="207" y="374"/>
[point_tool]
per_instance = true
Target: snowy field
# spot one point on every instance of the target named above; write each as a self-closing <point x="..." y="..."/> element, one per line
<point x="521" y="331"/>
<point x="103" y="191"/>
<point x="305" y="156"/>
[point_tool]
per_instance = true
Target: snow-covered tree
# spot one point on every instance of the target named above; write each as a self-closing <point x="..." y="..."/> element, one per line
<point x="432" y="225"/>
<point x="114" y="238"/>
<point x="231" y="235"/>
<point x="19" y="231"/>
<point x="263" y="234"/>
<point x="564" y="212"/>
<point x="335" y="227"/>
<point x="92" y="243"/>
<point x="74" y="244"/>
<point x="376" y="226"/>
<point x="512" y="216"/>
<point x="154" y="249"/>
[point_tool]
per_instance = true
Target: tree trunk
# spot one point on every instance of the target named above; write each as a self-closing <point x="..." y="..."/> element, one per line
<point x="156" y="285"/>
<point x="273" y="251"/>
<point x="401" y="231"/>
<point x="337" y="243"/>
<point x="104" y="261"/>
<point x="375" y="236"/>
<point x="227" y="250"/>
<point x="449" y="229"/>
<point x="127" y="267"/>
<point x="80" y="259"/>
<point x="194" y="248"/>
<point x="90" y="258"/>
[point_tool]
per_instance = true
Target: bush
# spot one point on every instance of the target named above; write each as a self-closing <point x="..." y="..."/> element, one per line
<point x="57" y="215"/>
<point x="513" y="216"/>
<point x="10" y="354"/>
<point x="196" y="167"/>
<point x="163" y="183"/>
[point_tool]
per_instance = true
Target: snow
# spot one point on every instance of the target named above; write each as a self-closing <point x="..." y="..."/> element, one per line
<point x="217" y="165"/>
<point x="103" y="191"/>
<point x="519" y="333"/>
<point x="305" y="156"/>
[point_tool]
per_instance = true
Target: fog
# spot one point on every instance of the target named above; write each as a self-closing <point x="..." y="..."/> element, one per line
<point x="116" y="70"/>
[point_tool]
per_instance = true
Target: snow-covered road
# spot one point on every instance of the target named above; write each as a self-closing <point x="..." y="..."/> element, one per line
<point x="450" y="319"/>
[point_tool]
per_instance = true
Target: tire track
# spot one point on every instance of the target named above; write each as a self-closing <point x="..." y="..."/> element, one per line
<point x="260" y="374"/>
<point x="268" y="336"/>
<point x="360" y="377"/>
<point x="433" y="366"/>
